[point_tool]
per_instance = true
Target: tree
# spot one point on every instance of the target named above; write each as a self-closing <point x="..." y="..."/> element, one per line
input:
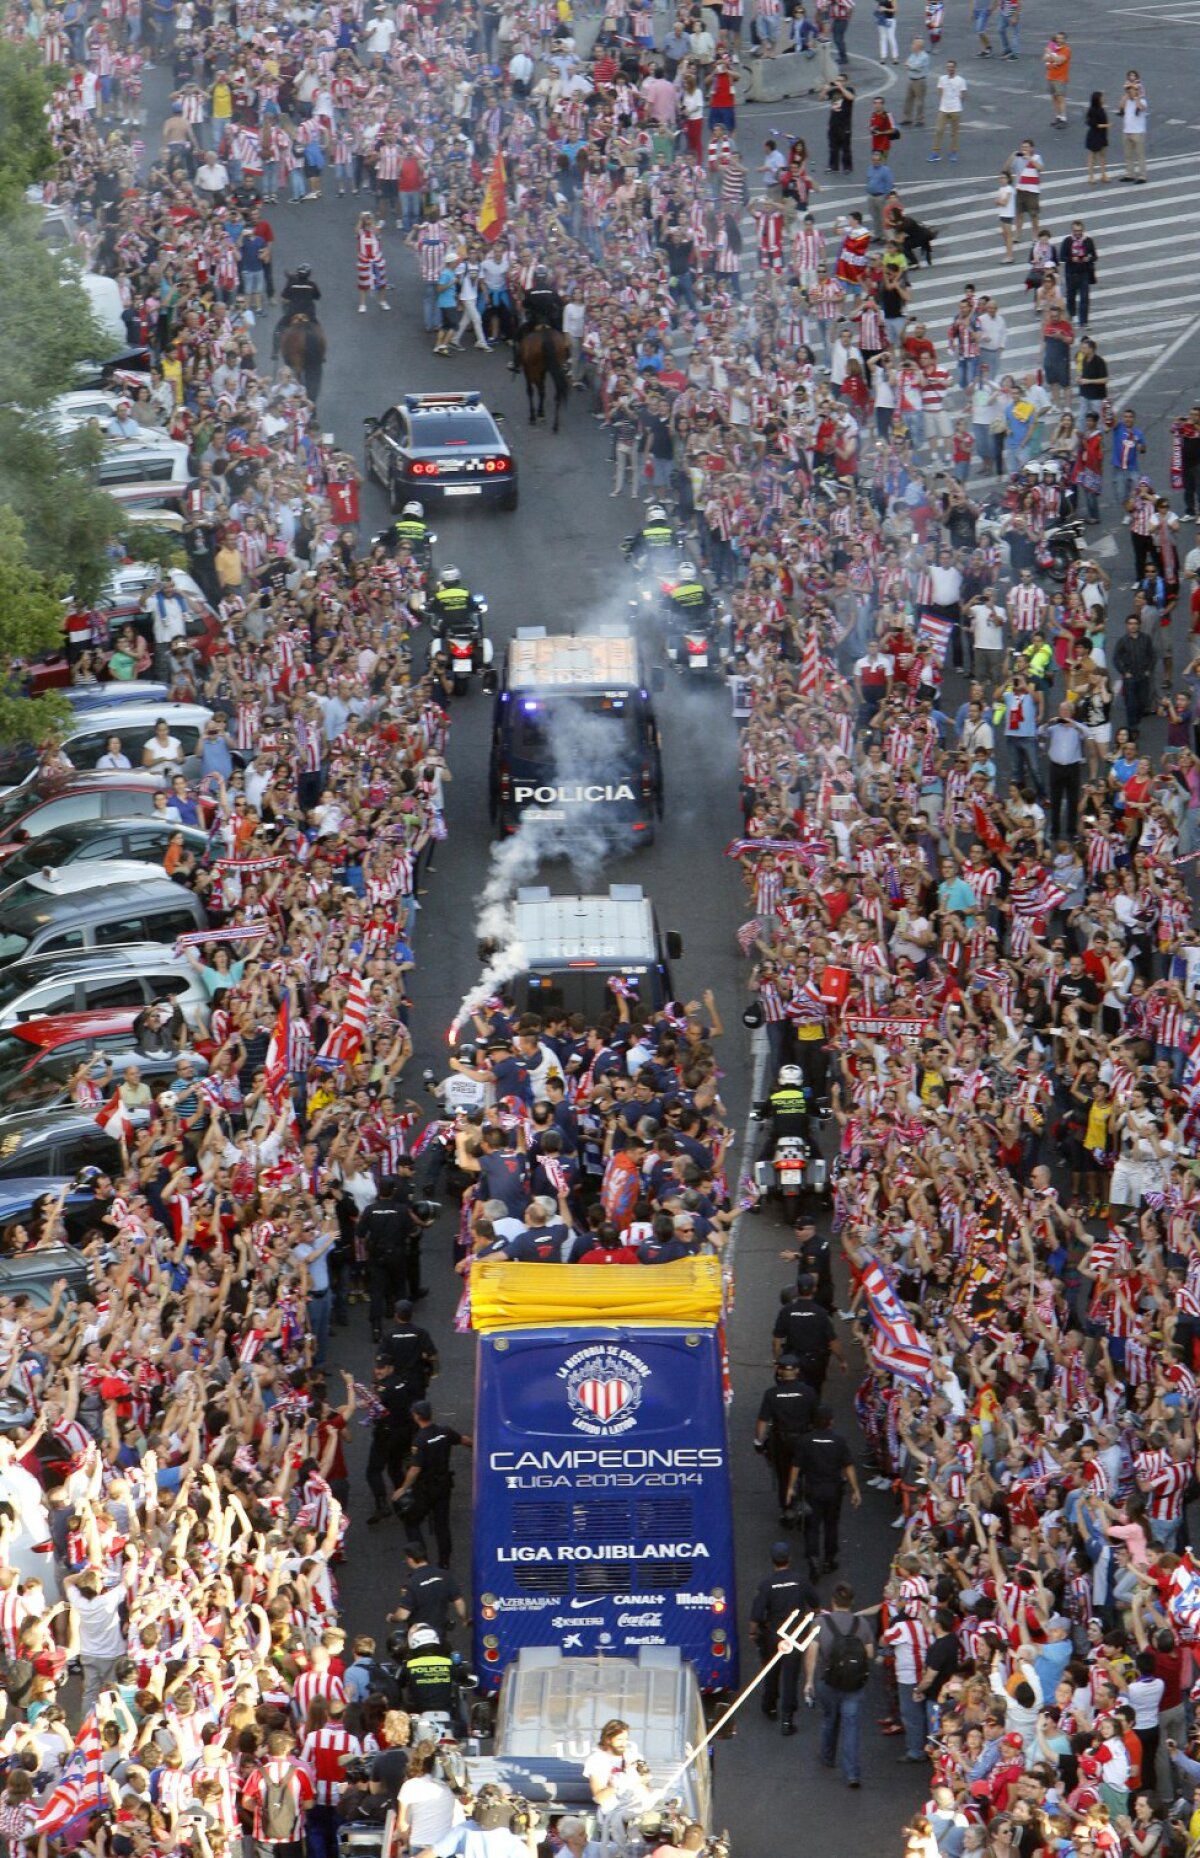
<point x="31" y="622"/>
<point x="46" y="324"/>
<point x="26" y="147"/>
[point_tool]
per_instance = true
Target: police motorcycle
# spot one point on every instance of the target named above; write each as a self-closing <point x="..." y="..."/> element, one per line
<point x="698" y="632"/>
<point x="456" y="618"/>
<point x="789" y="1164"/>
<point x="409" y="531"/>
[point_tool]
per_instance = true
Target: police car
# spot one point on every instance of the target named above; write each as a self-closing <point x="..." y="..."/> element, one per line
<point x="440" y="446"/>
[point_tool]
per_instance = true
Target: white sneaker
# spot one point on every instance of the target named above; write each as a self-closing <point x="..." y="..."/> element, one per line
<point x="899" y="1522"/>
<point x="362" y="309"/>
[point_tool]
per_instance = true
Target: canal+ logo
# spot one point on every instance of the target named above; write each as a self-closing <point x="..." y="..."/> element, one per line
<point x="604" y="1388"/>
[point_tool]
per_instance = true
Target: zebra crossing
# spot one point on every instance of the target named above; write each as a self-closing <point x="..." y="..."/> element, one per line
<point x="1148" y="240"/>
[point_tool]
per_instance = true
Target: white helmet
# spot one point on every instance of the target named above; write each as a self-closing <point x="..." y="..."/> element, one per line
<point x="687" y="570"/>
<point x="791" y="1074"/>
<point x="414" y="509"/>
<point x="450" y="577"/>
<point x="656" y="514"/>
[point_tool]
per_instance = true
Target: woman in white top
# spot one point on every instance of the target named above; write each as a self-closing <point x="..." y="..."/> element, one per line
<point x="163" y="749"/>
<point x="426" y="1809"/>
<point x="1006" y="207"/>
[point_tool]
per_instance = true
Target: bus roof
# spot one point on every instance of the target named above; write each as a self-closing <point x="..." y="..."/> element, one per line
<point x="598" y="931"/>
<point x="684" y="1294"/>
<point x="585" y="661"/>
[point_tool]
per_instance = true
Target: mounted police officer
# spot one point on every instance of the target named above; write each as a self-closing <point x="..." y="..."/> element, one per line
<point x="543" y="310"/>
<point x="299" y="293"/>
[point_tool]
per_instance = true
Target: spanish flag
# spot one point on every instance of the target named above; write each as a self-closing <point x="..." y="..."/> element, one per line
<point x="494" y="211"/>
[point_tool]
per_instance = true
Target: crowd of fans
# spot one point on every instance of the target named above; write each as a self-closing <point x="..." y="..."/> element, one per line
<point x="970" y="927"/>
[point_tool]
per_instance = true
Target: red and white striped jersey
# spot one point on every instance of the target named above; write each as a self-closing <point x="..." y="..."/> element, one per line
<point x="323" y="1754"/>
<point x="1027" y="605"/>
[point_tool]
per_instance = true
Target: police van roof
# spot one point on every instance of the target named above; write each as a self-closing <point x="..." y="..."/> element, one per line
<point x="592" y="932"/>
<point x="543" y="661"/>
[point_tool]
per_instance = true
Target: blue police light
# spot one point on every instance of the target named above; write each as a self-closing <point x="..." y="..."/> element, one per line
<point x="530" y="706"/>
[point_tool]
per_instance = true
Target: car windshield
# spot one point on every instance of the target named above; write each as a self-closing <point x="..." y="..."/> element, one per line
<point x="25" y="1089"/>
<point x="53" y="848"/>
<point x="441" y="432"/>
<point x="544" y="734"/>
<point x="12" y="945"/>
<point x="13" y="805"/>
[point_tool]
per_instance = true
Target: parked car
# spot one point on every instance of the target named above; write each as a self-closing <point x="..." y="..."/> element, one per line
<point x="94" y="906"/>
<point x="26" y="814"/>
<point x="142" y="472"/>
<point x="83" y="982"/>
<point x="85" y="697"/>
<point x="39" y="1058"/>
<point x="87" y="737"/>
<point x="55" y="1141"/>
<point x="140" y="841"/>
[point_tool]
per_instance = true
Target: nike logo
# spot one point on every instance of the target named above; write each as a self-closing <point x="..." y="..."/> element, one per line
<point x="579" y="1606"/>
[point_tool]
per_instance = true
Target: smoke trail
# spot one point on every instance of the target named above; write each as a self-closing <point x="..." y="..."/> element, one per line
<point x="583" y="748"/>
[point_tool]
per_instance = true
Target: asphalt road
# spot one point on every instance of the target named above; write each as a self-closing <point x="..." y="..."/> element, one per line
<point x="556" y="562"/>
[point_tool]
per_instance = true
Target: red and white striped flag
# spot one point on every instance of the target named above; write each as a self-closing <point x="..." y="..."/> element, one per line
<point x="81" y="1788"/>
<point x="935" y="631"/>
<point x="897" y="1344"/>
<point x="810" y="663"/>
<point x="345" y="1041"/>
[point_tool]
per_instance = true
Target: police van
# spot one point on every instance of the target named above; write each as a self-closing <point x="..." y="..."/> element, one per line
<point x="574" y="728"/>
<point x="575" y="946"/>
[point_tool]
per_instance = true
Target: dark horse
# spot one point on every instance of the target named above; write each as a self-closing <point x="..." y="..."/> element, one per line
<point x="545" y="352"/>
<point x="302" y="349"/>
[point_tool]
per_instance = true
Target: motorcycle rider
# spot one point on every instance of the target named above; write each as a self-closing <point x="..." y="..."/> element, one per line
<point x="428" y="1677"/>
<point x="787" y="1111"/>
<point x="454" y="608"/>
<point x="655" y="538"/>
<point x="689" y="607"/>
<point x="411" y="530"/>
<point x="299" y="293"/>
<point x="543" y="310"/>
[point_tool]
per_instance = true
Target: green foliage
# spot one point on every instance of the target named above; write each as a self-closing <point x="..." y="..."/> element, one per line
<point x="31" y="619"/>
<point x="46" y="322"/>
<point x="143" y="542"/>
<point x="68" y="523"/>
<point x="26" y="148"/>
<point x="55" y="526"/>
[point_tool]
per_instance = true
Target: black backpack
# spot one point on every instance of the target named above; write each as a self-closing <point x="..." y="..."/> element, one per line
<point x="848" y="1666"/>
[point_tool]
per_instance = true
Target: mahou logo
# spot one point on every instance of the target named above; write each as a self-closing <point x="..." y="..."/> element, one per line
<point x="604" y="1388"/>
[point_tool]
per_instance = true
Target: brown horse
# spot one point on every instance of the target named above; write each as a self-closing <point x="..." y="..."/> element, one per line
<point x="545" y="352"/>
<point x="302" y="349"/>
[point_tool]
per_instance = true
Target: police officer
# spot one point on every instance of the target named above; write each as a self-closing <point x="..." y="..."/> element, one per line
<point x="543" y="310"/>
<point x="656" y="535"/>
<point x="409" y="1349"/>
<point x="428" y="1678"/>
<point x="300" y="293"/>
<point x="689" y="603"/>
<point x="391" y="1435"/>
<point x="805" y="1330"/>
<point x="429" y="1594"/>
<point x="388" y="1229"/>
<point x="785" y="1415"/>
<point x="787" y="1110"/>
<point x="813" y="1257"/>
<point x="411" y="529"/>
<point x="828" y="1471"/>
<point x="781" y="1592"/>
<point x="429" y="1480"/>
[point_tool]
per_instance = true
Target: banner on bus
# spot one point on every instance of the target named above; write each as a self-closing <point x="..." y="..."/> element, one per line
<point x="530" y="1296"/>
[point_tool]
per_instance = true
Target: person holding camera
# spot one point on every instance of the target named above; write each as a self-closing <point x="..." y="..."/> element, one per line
<point x="497" y="1825"/>
<point x="615" y="1771"/>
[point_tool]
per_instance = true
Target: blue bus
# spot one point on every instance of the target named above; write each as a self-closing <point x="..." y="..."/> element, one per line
<point x="603" y="1517"/>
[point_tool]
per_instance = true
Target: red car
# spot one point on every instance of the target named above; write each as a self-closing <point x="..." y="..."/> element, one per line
<point x="27" y="814"/>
